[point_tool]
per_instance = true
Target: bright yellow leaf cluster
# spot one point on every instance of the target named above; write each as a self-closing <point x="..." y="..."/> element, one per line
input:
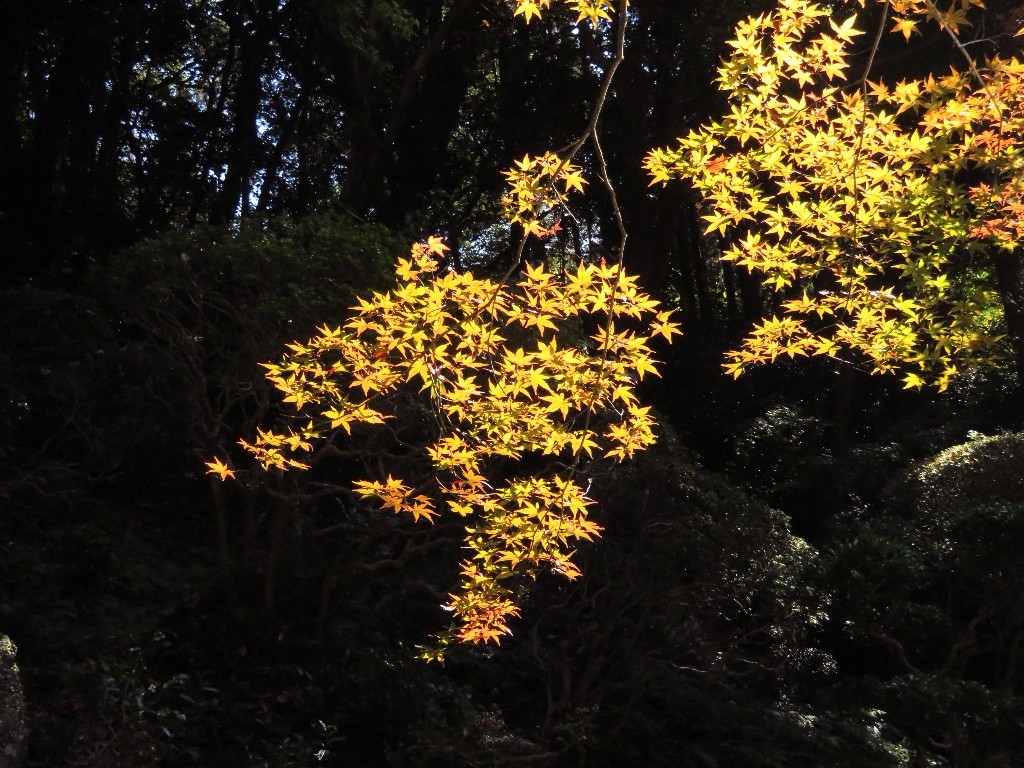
<point x="588" y="10"/>
<point x="907" y="14"/>
<point x="851" y="201"/>
<point x="531" y="8"/>
<point x="444" y="336"/>
<point x="395" y="495"/>
<point x="538" y="188"/>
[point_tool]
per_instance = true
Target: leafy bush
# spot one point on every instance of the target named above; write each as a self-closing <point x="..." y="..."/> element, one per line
<point x="934" y="583"/>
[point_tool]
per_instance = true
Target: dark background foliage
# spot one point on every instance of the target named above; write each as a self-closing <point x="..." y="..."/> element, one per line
<point x="813" y="567"/>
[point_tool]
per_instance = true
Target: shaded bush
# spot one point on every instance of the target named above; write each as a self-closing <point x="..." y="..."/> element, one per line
<point x="931" y="586"/>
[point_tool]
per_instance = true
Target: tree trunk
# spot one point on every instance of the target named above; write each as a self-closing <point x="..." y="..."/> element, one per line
<point x="226" y="562"/>
<point x="245" y="147"/>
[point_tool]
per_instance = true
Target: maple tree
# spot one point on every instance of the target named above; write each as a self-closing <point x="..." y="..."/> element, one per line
<point x="443" y="330"/>
<point x="445" y="334"/>
<point x="507" y="371"/>
<point x="873" y="208"/>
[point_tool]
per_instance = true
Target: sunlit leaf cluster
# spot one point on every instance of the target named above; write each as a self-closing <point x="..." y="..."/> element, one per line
<point x="908" y="14"/>
<point x="588" y="10"/>
<point x="871" y="208"/>
<point x="538" y="188"/>
<point x="492" y="363"/>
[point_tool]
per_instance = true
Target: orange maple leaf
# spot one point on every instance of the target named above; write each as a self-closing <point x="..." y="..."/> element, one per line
<point x="219" y="468"/>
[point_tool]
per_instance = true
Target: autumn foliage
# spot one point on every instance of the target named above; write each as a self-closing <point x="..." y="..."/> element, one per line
<point x="590" y="10"/>
<point x="871" y="207"/>
<point x="444" y="336"/>
<point x="538" y="188"/>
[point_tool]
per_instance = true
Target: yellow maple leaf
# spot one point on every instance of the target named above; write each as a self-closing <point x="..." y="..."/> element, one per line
<point x="906" y="26"/>
<point x="219" y="468"/>
<point x="531" y="8"/>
